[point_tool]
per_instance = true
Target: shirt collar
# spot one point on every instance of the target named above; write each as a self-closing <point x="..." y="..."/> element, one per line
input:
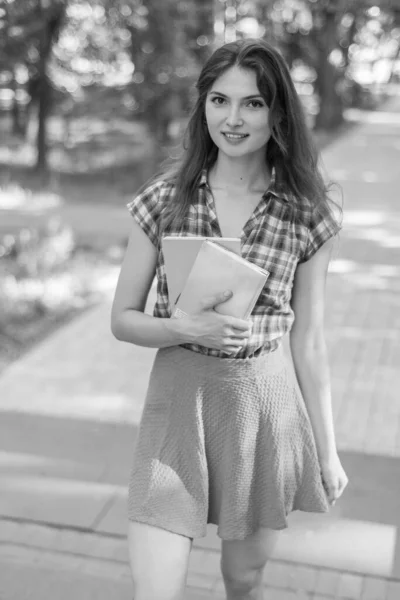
<point x="272" y="188"/>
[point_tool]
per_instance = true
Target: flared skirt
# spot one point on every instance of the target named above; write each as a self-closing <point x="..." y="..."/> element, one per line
<point x="225" y="441"/>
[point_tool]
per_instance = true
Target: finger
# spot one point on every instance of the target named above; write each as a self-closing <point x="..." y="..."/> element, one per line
<point x="331" y="490"/>
<point x="232" y="349"/>
<point x="234" y="341"/>
<point x="241" y="335"/>
<point x="334" y="494"/>
<point x="240" y="324"/>
<point x="215" y="299"/>
<point x="341" y="488"/>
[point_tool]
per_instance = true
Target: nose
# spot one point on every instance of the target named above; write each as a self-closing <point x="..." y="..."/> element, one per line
<point x="234" y="118"/>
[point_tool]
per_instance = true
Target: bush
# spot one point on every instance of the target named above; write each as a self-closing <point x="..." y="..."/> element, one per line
<point x="46" y="279"/>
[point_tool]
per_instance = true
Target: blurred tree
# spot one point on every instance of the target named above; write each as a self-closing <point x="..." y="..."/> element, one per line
<point x="138" y="59"/>
<point x="168" y="46"/>
<point x="324" y="36"/>
<point x="327" y="17"/>
<point x="50" y="17"/>
<point x="198" y="17"/>
<point x="169" y="42"/>
<point x="142" y="53"/>
<point x="30" y="29"/>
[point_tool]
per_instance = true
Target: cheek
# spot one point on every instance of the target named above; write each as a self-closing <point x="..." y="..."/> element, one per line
<point x="213" y="118"/>
<point x="260" y="122"/>
<point x="261" y="130"/>
<point x="214" y="127"/>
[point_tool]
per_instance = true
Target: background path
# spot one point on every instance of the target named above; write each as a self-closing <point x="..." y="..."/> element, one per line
<point x="70" y="410"/>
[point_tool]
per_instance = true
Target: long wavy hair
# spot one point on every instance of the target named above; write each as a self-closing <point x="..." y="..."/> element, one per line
<point x="290" y="149"/>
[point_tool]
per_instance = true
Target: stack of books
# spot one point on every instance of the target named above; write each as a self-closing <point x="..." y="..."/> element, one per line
<point x="197" y="268"/>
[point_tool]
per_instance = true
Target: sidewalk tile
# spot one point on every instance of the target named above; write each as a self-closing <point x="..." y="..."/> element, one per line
<point x="303" y="578"/>
<point x="192" y="594"/>
<point x="327" y="582"/>
<point x="276" y="594"/>
<point x="277" y="574"/>
<point x="202" y="581"/>
<point x="393" y="590"/>
<point x="197" y="560"/>
<point x="212" y="564"/>
<point x="350" y="586"/>
<point x="39" y="535"/>
<point x="205" y="563"/>
<point x="374" y="589"/>
<point x="106" y="569"/>
<point x="54" y="500"/>
<point x="11" y="531"/>
<point x="75" y="542"/>
<point x="219" y="586"/>
<point x="108" y="548"/>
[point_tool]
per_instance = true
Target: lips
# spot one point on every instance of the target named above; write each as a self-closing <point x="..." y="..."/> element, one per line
<point x="235" y="136"/>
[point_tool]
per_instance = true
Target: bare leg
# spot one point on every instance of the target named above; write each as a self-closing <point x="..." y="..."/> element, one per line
<point x="159" y="562"/>
<point x="243" y="562"/>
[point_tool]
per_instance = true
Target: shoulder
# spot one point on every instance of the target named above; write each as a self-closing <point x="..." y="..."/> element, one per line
<point x="147" y="205"/>
<point x="320" y="222"/>
<point x="152" y="194"/>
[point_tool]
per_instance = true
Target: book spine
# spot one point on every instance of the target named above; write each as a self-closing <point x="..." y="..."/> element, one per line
<point x="254" y="299"/>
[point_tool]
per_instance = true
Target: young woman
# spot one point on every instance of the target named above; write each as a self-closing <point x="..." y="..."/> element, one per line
<point x="225" y="437"/>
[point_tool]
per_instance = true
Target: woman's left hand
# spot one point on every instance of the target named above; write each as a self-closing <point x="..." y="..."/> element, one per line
<point x="334" y="478"/>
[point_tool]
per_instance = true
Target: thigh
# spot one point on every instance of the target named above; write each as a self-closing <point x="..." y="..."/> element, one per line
<point x="251" y="554"/>
<point x="159" y="562"/>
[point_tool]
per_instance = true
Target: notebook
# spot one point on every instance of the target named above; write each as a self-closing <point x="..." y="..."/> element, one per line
<point x="215" y="270"/>
<point x="179" y="255"/>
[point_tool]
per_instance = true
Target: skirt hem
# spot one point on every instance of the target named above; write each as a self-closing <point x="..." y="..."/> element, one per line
<point x="220" y="533"/>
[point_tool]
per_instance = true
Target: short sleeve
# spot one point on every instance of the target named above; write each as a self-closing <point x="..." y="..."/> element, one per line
<point x="145" y="209"/>
<point x="323" y="225"/>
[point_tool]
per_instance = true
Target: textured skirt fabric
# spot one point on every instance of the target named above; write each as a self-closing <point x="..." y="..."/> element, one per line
<point x="223" y="441"/>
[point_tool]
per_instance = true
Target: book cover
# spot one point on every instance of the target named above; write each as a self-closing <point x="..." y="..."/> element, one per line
<point x="215" y="270"/>
<point x="179" y="255"/>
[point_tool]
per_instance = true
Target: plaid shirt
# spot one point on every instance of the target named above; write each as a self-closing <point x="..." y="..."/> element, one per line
<point x="272" y="238"/>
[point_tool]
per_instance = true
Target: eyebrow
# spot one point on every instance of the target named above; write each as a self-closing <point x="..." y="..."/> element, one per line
<point x="245" y="97"/>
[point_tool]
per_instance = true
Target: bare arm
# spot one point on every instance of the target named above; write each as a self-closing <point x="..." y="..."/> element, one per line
<point x="310" y="360"/>
<point x="130" y="324"/>
<point x="308" y="348"/>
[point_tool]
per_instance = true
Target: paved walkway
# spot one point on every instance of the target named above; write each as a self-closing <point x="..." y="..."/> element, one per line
<point x="70" y="411"/>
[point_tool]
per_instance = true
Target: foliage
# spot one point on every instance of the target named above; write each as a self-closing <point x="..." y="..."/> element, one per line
<point x="138" y="59"/>
<point x="325" y="43"/>
<point x="46" y="279"/>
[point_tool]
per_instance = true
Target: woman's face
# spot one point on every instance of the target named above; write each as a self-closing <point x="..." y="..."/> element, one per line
<point x="234" y="106"/>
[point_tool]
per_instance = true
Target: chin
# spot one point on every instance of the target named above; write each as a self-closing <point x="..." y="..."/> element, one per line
<point x="236" y="152"/>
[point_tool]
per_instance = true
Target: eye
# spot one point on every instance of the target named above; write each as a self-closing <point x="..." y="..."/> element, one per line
<point x="257" y="102"/>
<point x="213" y="100"/>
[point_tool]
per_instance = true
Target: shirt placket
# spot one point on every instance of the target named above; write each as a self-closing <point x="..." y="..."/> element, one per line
<point x="213" y="215"/>
<point x="250" y="230"/>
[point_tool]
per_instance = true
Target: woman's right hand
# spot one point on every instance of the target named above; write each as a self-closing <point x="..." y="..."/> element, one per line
<point x="213" y="330"/>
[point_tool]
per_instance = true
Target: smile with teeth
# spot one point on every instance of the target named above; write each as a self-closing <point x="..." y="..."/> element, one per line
<point x="235" y="136"/>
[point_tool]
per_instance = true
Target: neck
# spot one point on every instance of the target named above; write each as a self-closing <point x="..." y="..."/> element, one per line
<point x="244" y="174"/>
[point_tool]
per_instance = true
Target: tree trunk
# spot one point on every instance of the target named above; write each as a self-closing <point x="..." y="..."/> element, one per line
<point x="17" y="124"/>
<point x="330" y="113"/>
<point x="43" y="109"/>
<point x="42" y="99"/>
<point x="52" y="20"/>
